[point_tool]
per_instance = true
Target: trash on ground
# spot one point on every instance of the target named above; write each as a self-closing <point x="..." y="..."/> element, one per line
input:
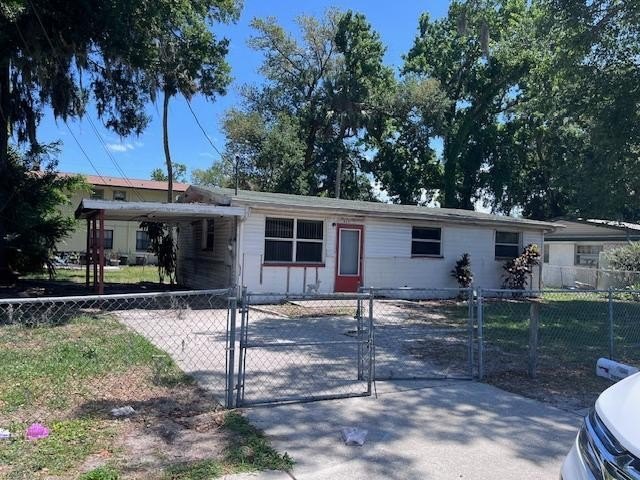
<point x="36" y="431"/>
<point x="613" y="370"/>
<point x="4" y="434"/>
<point x="123" y="411"/>
<point x="354" y="436"/>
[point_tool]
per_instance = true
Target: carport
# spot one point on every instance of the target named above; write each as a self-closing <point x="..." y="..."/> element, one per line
<point x="95" y="212"/>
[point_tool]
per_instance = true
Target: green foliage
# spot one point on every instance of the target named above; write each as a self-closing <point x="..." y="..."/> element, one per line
<point x="302" y="130"/>
<point x="462" y="271"/>
<point x="518" y="270"/>
<point x="162" y="245"/>
<point x="178" y="170"/>
<point x="100" y="473"/>
<point x="31" y="213"/>
<point x="626" y="258"/>
<point x="217" y="175"/>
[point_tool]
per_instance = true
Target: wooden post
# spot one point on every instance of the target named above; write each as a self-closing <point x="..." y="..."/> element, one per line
<point x="87" y="260"/>
<point x="94" y="236"/>
<point x="101" y="254"/>
<point x="534" y="322"/>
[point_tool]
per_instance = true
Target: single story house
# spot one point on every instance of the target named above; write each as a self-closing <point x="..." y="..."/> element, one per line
<point x="574" y="253"/>
<point x="295" y="244"/>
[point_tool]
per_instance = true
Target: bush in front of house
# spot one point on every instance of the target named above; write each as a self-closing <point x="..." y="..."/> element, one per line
<point x="626" y="258"/>
<point x="462" y="271"/>
<point x="519" y="270"/>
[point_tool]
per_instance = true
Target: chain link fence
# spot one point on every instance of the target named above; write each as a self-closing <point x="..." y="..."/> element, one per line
<point x="546" y="344"/>
<point x="304" y="347"/>
<point x="91" y="353"/>
<point x="423" y="333"/>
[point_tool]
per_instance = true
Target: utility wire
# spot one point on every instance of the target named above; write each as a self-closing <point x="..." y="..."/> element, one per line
<point x="206" y="135"/>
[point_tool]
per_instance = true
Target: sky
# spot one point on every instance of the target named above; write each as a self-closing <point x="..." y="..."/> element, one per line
<point x="137" y="156"/>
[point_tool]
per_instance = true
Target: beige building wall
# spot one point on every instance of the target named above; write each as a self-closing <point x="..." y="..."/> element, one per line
<point x="124" y="233"/>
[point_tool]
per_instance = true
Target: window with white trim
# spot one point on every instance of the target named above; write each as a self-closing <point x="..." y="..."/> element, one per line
<point x="120" y="195"/>
<point x="426" y="242"/>
<point x="587" y="255"/>
<point x="507" y="245"/>
<point x="292" y="240"/>
<point x="142" y="240"/>
<point x="545" y="257"/>
<point x="97" y="194"/>
<point x="108" y="239"/>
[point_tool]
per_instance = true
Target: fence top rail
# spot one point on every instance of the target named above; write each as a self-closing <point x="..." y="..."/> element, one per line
<point x="122" y="296"/>
<point x="415" y="289"/>
<point x="311" y="296"/>
<point x="564" y="291"/>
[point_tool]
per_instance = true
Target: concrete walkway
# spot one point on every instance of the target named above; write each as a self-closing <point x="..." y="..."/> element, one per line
<point x="421" y="430"/>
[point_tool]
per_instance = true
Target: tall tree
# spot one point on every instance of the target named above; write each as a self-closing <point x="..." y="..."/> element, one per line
<point x="302" y="130"/>
<point x="178" y="173"/>
<point x="478" y="54"/>
<point x="191" y="60"/>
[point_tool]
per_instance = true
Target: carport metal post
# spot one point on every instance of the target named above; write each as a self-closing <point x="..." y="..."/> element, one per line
<point x="233" y="305"/>
<point x="480" y="317"/>
<point x="244" y="320"/>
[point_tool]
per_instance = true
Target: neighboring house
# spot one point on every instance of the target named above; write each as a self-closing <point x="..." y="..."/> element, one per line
<point x="574" y="254"/>
<point x="122" y="238"/>
<point x="292" y="243"/>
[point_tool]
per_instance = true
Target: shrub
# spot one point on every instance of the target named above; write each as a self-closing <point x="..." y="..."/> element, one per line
<point x="519" y="269"/>
<point x="462" y="271"/>
<point x="625" y="258"/>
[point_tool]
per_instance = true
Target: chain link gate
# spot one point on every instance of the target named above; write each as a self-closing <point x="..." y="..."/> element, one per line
<point x="297" y="348"/>
<point x="424" y="334"/>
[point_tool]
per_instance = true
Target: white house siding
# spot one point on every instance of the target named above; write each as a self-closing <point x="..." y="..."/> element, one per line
<point x="203" y="269"/>
<point x="388" y="261"/>
<point x="387" y="255"/>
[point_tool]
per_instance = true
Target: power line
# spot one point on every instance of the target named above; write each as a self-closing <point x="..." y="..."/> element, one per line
<point x="203" y="130"/>
<point x="84" y="152"/>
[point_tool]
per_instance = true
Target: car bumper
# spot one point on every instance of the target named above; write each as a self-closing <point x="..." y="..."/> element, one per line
<point x="573" y="467"/>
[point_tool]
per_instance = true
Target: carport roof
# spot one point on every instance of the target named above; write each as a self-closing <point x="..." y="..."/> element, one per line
<point x="153" y="211"/>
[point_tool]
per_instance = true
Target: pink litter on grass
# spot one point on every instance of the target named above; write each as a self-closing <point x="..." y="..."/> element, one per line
<point x="37" y="431"/>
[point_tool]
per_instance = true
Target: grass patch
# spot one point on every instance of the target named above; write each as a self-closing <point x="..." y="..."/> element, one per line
<point x="100" y="473"/>
<point x="248" y="451"/>
<point x="68" y="444"/>
<point x="123" y="274"/>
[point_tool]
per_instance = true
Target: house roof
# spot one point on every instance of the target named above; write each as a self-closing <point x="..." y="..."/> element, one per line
<point x="153" y="211"/>
<point x="119" y="182"/>
<point x="593" y="229"/>
<point x="269" y="200"/>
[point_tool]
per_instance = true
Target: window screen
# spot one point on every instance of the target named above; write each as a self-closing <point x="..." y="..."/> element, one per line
<point x="507" y="244"/>
<point x="426" y="241"/>
<point x="293" y="240"/>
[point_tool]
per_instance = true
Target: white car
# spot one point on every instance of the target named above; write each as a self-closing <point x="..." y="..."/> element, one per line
<point x="608" y="444"/>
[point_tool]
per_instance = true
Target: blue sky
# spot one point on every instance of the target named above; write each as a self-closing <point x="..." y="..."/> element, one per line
<point x="397" y="24"/>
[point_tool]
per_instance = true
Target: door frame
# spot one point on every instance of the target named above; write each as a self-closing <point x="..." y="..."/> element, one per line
<point x="360" y="276"/>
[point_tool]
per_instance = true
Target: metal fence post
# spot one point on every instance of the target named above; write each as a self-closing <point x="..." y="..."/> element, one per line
<point x="534" y="322"/>
<point x="372" y="345"/>
<point x="359" y="337"/>
<point x="233" y="305"/>
<point x="611" y="325"/>
<point x="244" y="312"/>
<point x="480" y="317"/>
<point x="470" y="314"/>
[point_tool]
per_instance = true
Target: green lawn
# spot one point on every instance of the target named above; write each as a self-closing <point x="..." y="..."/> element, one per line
<point x="70" y="375"/>
<point x="573" y="334"/>
<point x="123" y="274"/>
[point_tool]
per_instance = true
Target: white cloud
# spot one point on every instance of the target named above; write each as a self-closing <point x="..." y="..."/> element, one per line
<point x="121" y="147"/>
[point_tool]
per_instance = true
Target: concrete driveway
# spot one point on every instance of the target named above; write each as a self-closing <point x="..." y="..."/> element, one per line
<point x="422" y="430"/>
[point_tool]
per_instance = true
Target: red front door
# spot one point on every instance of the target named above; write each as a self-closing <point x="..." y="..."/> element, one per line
<point x="349" y="257"/>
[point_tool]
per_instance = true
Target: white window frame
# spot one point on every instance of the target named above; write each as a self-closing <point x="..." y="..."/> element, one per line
<point x="496" y="243"/>
<point x="294" y="240"/>
<point x="97" y="196"/>
<point x="427" y="240"/>
<point x="120" y="191"/>
<point x="148" y="241"/>
<point x="576" y="255"/>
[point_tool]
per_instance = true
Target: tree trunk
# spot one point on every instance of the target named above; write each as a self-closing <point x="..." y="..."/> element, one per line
<point x="6" y="276"/>
<point x="343" y="130"/>
<point x="165" y="141"/>
<point x="449" y="180"/>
